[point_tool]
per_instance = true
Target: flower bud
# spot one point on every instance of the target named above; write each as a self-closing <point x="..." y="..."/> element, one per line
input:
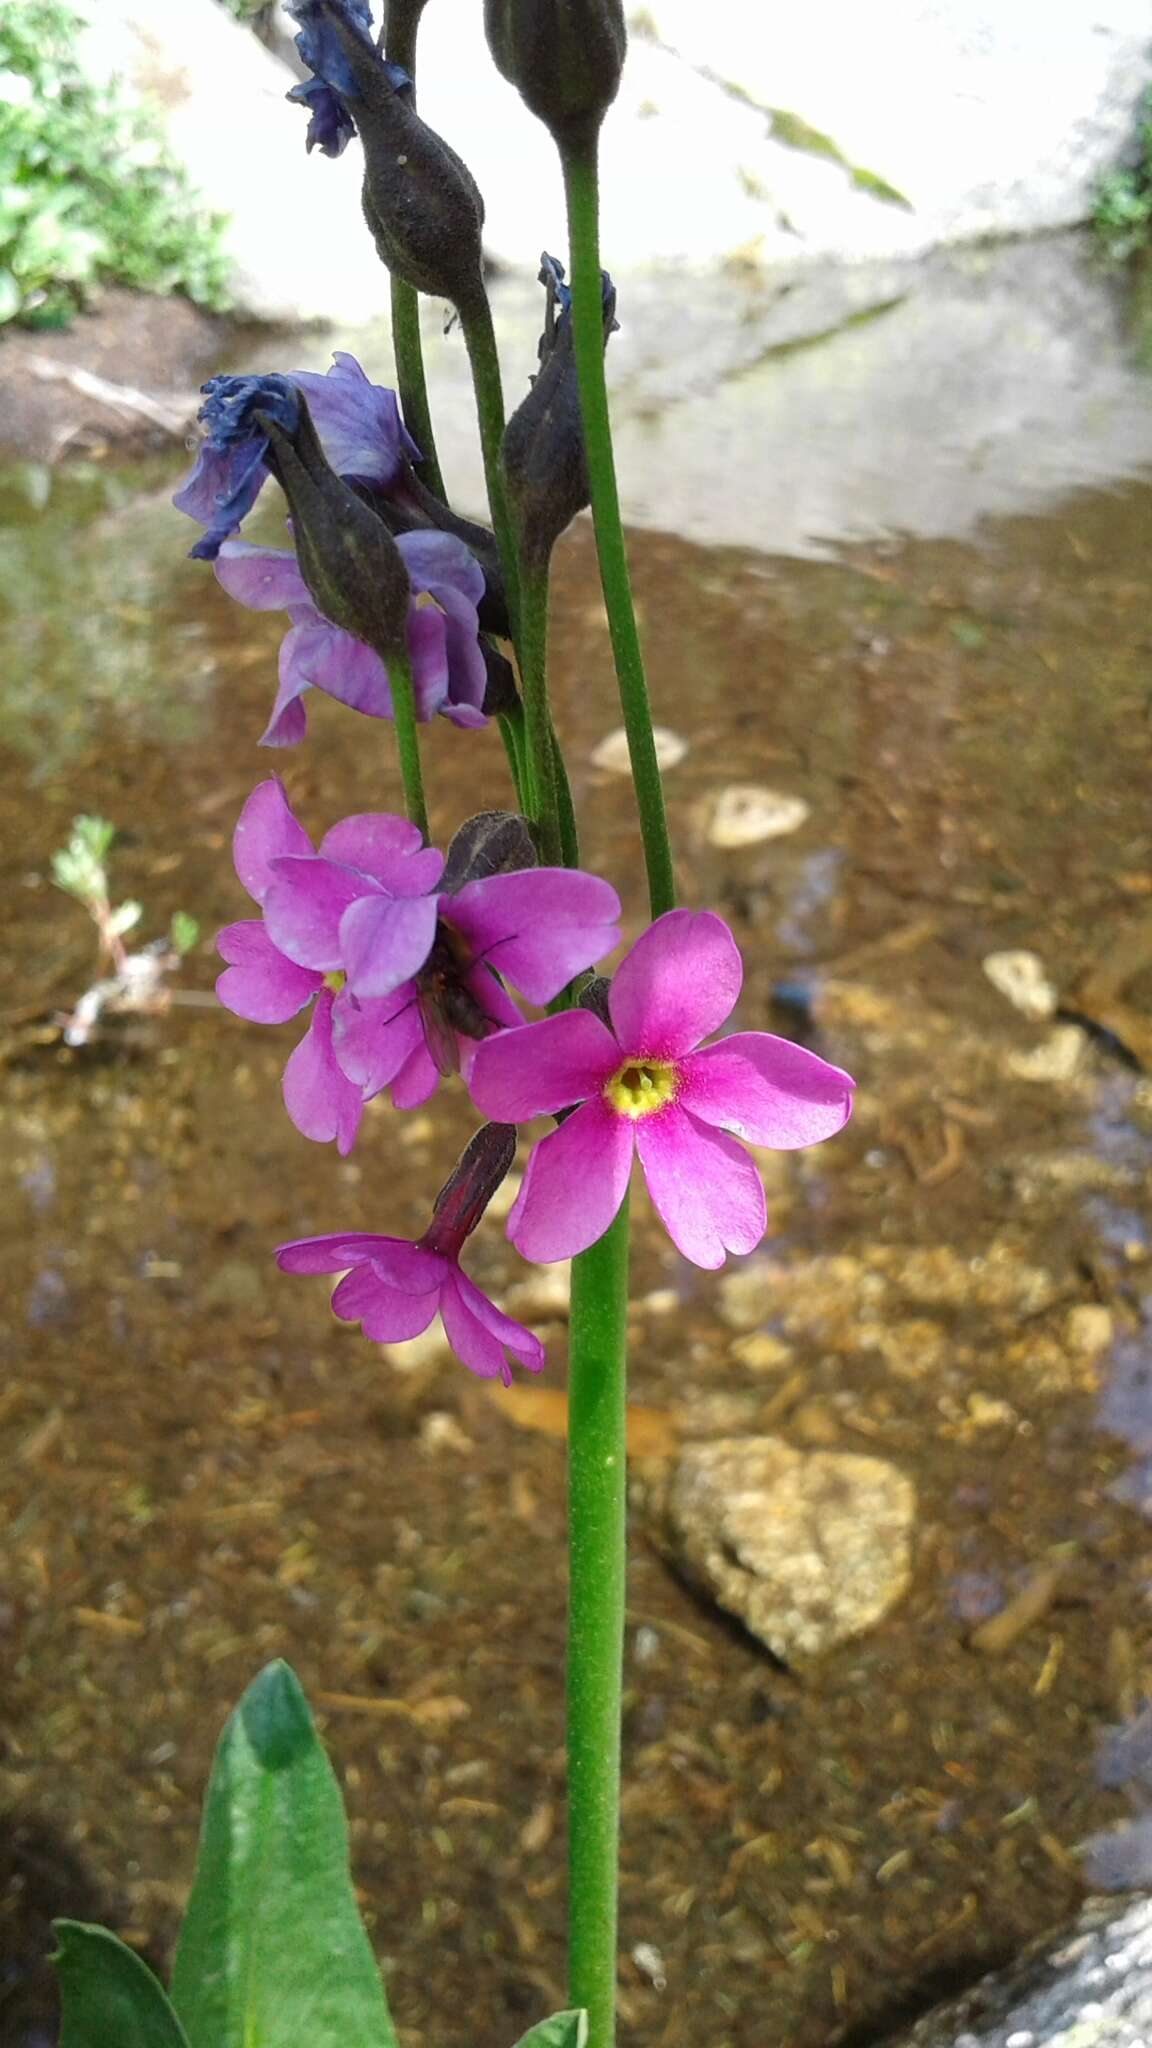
<point x="543" y="454"/>
<point x="421" y="203"/>
<point x="563" y="56"/>
<point x="469" y="1188"/>
<point x="353" y="569"/>
<point x="491" y="843"/>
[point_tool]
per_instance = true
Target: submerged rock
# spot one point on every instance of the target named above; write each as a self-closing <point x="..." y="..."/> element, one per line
<point x="807" y="1549"/>
<point x="1089" y="1986"/>
<point x="744" y="814"/>
<point x="612" y="752"/>
<point x="1022" y="978"/>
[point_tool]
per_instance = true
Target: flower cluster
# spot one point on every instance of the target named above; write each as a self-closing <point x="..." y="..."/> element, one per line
<point x="365" y="442"/>
<point x="413" y="964"/>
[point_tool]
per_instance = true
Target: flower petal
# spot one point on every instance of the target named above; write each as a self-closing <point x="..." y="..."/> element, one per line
<point x="333" y="1254"/>
<point x="427" y="636"/>
<point x="288" y="723"/>
<point x="705" y="1188"/>
<point x="576" y="1180"/>
<point x="333" y="661"/>
<point x="358" y="422"/>
<point x="388" y="848"/>
<point x="540" y="1068"/>
<point x="385" y="940"/>
<point x="305" y="905"/>
<point x="265" y="831"/>
<point x="265" y="579"/>
<point x="418" y="1079"/>
<point x="767" y="1090"/>
<point x="537" y="927"/>
<point x="481" y="1335"/>
<point x="388" y="1314"/>
<point x="259" y="982"/>
<point x="676" y="984"/>
<point x="441" y="562"/>
<point x="373" y="1041"/>
<point x="321" y="1101"/>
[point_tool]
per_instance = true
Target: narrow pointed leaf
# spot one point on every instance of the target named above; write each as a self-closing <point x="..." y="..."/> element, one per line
<point x="563" y="2030"/>
<point x="273" y="1953"/>
<point x="109" y="1995"/>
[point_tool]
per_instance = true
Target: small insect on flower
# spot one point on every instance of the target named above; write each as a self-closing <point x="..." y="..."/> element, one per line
<point x="449" y="1008"/>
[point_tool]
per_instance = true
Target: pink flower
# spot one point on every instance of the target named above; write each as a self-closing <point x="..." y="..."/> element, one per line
<point x="262" y="984"/>
<point x="644" y="1087"/>
<point x="394" y="1288"/>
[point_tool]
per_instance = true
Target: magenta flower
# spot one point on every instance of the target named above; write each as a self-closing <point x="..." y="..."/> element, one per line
<point x="644" y="1087"/>
<point x="394" y="1288"/>
<point x="448" y="670"/>
<point x="359" y="424"/>
<point x="262" y="983"/>
<point x="423" y="962"/>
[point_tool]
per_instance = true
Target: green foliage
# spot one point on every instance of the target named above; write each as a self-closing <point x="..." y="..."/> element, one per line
<point x="87" y="193"/>
<point x="183" y="931"/>
<point x="1123" y="210"/>
<point x="109" y="1995"/>
<point x="273" y="1953"/>
<point x="81" y="867"/>
<point x="563" y="2030"/>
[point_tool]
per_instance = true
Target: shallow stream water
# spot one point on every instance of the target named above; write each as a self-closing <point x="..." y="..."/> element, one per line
<point x="200" y="1470"/>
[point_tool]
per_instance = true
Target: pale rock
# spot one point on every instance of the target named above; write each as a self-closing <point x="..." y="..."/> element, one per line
<point x="440" y="1431"/>
<point x="503" y="1200"/>
<point x="416" y="1354"/>
<point x="744" y="814"/>
<point x="1022" y="978"/>
<point x="1058" y="1058"/>
<point x="1090" y="1328"/>
<point x="544" y="1296"/>
<point x="761" y="1352"/>
<point x="660" y="1301"/>
<point x="296" y="235"/>
<point x="807" y="1549"/>
<point x="612" y="752"/>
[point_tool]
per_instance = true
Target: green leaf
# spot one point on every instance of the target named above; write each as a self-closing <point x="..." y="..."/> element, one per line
<point x="109" y="1995"/>
<point x="124" y="917"/>
<point x="273" y="1953"/>
<point x="563" y="2030"/>
<point x="183" y="931"/>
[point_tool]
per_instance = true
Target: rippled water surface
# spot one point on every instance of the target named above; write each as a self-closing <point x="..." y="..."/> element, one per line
<point x="201" y="1471"/>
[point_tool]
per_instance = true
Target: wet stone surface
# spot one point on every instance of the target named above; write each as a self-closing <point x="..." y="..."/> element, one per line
<point x="200" y="1470"/>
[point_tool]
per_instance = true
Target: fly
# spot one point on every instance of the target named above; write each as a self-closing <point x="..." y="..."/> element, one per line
<point x="448" y="1007"/>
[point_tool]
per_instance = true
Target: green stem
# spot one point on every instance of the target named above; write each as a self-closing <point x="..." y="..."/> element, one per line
<point x="565" y="808"/>
<point x="407" y="738"/>
<point x="582" y="193"/>
<point x="512" y="733"/>
<point x="408" y="348"/>
<point x="597" y="1539"/>
<point x="543" y="752"/>
<point x="488" y="391"/>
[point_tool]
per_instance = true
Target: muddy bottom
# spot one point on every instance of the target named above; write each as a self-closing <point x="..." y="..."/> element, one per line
<point x="200" y="1470"/>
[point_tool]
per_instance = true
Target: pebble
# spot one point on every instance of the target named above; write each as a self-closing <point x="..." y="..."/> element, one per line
<point x="544" y="1296"/>
<point x="744" y="814"/>
<point x="612" y="753"/>
<point x="761" y="1352"/>
<point x="1059" y="1057"/>
<point x="1090" y="1328"/>
<point x="807" y="1548"/>
<point x="1022" y="978"/>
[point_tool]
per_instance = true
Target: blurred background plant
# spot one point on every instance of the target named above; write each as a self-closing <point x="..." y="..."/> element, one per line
<point x="137" y="980"/>
<point x="1123" y="214"/>
<point x="88" y="193"/>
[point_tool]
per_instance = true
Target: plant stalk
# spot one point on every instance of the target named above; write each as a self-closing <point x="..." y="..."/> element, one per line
<point x="581" y="186"/>
<point x="488" y="391"/>
<point x="407" y="737"/>
<point x="542" y="750"/>
<point x="408" y="349"/>
<point x="597" y="1539"/>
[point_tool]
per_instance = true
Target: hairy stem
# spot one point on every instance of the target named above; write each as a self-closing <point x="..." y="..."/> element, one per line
<point x="407" y="738"/>
<point x="488" y="391"/>
<point x="543" y="752"/>
<point x="597" y="1394"/>
<point x="581" y="188"/>
<point x="408" y="349"/>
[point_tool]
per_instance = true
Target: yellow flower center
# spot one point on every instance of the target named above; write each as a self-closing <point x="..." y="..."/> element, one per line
<point x="640" y="1087"/>
<point x="335" y="981"/>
